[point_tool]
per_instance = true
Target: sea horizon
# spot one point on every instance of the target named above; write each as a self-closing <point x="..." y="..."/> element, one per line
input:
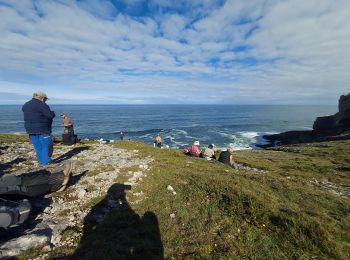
<point x="241" y="126"/>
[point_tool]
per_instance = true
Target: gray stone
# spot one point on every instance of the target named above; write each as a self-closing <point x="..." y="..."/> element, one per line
<point x="23" y="243"/>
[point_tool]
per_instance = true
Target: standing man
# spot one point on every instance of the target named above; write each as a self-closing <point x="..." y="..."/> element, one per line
<point x="38" y="123"/>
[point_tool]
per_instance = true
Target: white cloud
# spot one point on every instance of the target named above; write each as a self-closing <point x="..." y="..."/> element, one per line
<point x="234" y="48"/>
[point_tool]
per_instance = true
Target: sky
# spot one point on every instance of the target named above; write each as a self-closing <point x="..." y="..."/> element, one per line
<point x="175" y="51"/>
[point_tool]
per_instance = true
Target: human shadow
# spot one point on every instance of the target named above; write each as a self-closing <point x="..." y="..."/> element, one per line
<point x="70" y="154"/>
<point x="120" y="234"/>
<point x="6" y="166"/>
<point x="75" y="178"/>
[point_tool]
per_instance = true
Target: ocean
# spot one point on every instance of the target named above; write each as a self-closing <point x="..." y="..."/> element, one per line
<point x="241" y="126"/>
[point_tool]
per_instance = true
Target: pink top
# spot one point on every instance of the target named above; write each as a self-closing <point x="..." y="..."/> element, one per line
<point x="195" y="150"/>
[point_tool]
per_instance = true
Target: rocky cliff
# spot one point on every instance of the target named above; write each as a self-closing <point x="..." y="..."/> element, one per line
<point x="325" y="128"/>
<point x="339" y="120"/>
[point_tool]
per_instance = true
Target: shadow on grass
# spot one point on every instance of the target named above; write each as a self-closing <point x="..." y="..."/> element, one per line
<point x="6" y="166"/>
<point x="70" y="154"/>
<point x="123" y="234"/>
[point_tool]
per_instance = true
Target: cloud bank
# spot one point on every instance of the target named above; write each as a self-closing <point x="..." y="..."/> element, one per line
<point x="162" y="51"/>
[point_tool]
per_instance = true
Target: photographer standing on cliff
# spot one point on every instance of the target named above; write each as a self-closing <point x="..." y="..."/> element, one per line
<point x="38" y="119"/>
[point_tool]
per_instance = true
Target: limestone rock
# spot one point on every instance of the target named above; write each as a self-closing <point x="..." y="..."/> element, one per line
<point x="26" y="242"/>
<point x="68" y="209"/>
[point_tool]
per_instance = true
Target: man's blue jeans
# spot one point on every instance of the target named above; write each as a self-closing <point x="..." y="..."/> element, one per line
<point x="41" y="145"/>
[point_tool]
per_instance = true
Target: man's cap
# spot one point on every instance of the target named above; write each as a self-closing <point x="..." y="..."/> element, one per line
<point x="63" y="114"/>
<point x="39" y="94"/>
<point x="196" y="143"/>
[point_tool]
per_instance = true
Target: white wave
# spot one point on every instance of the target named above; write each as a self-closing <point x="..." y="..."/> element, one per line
<point x="179" y="131"/>
<point x="244" y="140"/>
<point x="231" y="136"/>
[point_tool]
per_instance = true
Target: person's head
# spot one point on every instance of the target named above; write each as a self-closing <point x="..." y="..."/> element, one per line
<point x="211" y="146"/>
<point x="39" y="95"/>
<point x="63" y="114"/>
<point x="230" y="149"/>
<point x="196" y="143"/>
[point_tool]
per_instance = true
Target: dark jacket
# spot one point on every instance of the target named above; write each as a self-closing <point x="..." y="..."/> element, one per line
<point x="37" y="117"/>
<point x="225" y="157"/>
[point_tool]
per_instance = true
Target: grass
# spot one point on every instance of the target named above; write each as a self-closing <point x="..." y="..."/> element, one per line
<point x="221" y="213"/>
<point x="12" y="138"/>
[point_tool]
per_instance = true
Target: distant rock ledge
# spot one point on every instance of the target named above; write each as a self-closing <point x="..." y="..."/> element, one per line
<point x="325" y="128"/>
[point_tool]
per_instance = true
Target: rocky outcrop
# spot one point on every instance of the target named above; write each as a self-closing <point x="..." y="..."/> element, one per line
<point x="339" y="120"/>
<point x="97" y="167"/>
<point x="325" y="128"/>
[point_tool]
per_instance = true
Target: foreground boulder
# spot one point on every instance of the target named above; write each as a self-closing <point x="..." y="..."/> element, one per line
<point x="325" y="128"/>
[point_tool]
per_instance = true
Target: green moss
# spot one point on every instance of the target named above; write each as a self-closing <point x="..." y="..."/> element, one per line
<point x="93" y="202"/>
<point x="12" y="138"/>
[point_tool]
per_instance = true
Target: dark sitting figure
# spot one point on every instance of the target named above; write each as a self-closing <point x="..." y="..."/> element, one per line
<point x="226" y="157"/>
<point x="68" y="137"/>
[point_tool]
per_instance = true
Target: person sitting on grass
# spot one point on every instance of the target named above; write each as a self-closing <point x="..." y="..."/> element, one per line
<point x="32" y="184"/>
<point x="209" y="153"/>
<point x="67" y="124"/>
<point x="226" y="157"/>
<point x="195" y="151"/>
<point x="158" y="141"/>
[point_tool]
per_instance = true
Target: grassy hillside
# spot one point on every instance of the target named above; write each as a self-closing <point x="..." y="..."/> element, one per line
<point x="292" y="211"/>
<point x="298" y="208"/>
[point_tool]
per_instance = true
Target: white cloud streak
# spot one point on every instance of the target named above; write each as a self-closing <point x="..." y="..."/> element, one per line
<point x="206" y="52"/>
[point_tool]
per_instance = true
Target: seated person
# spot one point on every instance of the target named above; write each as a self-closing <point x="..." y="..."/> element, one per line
<point x="209" y="153"/>
<point x="67" y="124"/>
<point x="195" y="151"/>
<point x="29" y="184"/>
<point x="226" y="157"/>
<point x="158" y="141"/>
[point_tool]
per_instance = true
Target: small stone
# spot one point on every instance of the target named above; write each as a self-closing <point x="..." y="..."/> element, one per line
<point x="47" y="248"/>
<point x="47" y="210"/>
<point x="170" y="188"/>
<point x="82" y="193"/>
<point x="172" y="215"/>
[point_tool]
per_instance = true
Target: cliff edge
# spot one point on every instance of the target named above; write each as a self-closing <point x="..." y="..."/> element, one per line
<point x="325" y="128"/>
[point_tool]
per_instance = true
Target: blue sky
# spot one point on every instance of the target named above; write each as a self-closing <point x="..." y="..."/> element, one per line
<point x="163" y="51"/>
